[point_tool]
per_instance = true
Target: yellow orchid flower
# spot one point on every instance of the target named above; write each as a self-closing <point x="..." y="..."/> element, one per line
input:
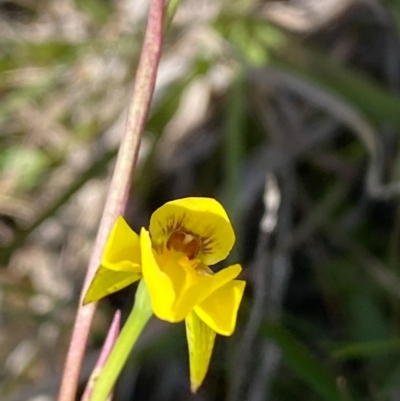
<point x="185" y="237"/>
<point x="120" y="264"/>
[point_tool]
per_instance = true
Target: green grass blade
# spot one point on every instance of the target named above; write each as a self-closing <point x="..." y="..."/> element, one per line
<point x="306" y="366"/>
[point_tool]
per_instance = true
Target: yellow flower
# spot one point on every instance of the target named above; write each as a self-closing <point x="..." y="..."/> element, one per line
<point x="120" y="264"/>
<point x="185" y="237"/>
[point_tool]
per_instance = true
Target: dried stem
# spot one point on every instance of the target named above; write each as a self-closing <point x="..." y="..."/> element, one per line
<point x="119" y="188"/>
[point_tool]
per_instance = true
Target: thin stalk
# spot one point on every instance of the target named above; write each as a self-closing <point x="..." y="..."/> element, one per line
<point x="119" y="188"/>
<point x="112" y="336"/>
<point x="137" y="320"/>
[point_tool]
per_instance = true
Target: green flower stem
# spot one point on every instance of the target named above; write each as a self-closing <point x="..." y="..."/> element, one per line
<point x="136" y="322"/>
<point x="119" y="188"/>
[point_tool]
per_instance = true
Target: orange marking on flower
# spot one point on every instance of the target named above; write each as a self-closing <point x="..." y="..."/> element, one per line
<point x="181" y="241"/>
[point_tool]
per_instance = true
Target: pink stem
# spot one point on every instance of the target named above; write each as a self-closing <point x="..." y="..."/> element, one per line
<point x="112" y="336"/>
<point x="119" y="188"/>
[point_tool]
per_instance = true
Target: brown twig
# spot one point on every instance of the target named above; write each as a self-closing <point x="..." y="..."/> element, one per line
<point x="119" y="188"/>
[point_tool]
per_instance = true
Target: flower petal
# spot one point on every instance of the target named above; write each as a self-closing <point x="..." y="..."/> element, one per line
<point x="219" y="310"/>
<point x="122" y="251"/>
<point x="108" y="281"/>
<point x="201" y="343"/>
<point x="175" y="289"/>
<point x="120" y="263"/>
<point x="200" y="289"/>
<point x="202" y="217"/>
<point x="159" y="284"/>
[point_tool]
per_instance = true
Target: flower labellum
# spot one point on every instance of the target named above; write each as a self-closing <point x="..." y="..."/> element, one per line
<point x="185" y="237"/>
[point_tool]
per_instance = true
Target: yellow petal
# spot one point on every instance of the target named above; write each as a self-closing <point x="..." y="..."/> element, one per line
<point x="219" y="310"/>
<point x="107" y="281"/>
<point x="203" y="217"/>
<point x="200" y="289"/>
<point x="174" y="289"/>
<point x="120" y="263"/>
<point x="122" y="251"/>
<point x="200" y="342"/>
<point x="159" y="284"/>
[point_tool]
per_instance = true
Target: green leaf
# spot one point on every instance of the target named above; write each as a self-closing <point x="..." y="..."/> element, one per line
<point x="366" y="349"/>
<point x="352" y="85"/>
<point x="170" y="14"/>
<point x="304" y="363"/>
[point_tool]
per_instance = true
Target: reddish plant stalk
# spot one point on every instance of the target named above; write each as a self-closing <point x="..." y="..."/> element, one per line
<point x="112" y="336"/>
<point x="119" y="188"/>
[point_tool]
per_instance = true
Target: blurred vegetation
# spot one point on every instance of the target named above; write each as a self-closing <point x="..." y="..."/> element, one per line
<point x="287" y="111"/>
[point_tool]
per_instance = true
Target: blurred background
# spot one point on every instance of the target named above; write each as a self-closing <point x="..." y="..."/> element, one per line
<point x="288" y="112"/>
